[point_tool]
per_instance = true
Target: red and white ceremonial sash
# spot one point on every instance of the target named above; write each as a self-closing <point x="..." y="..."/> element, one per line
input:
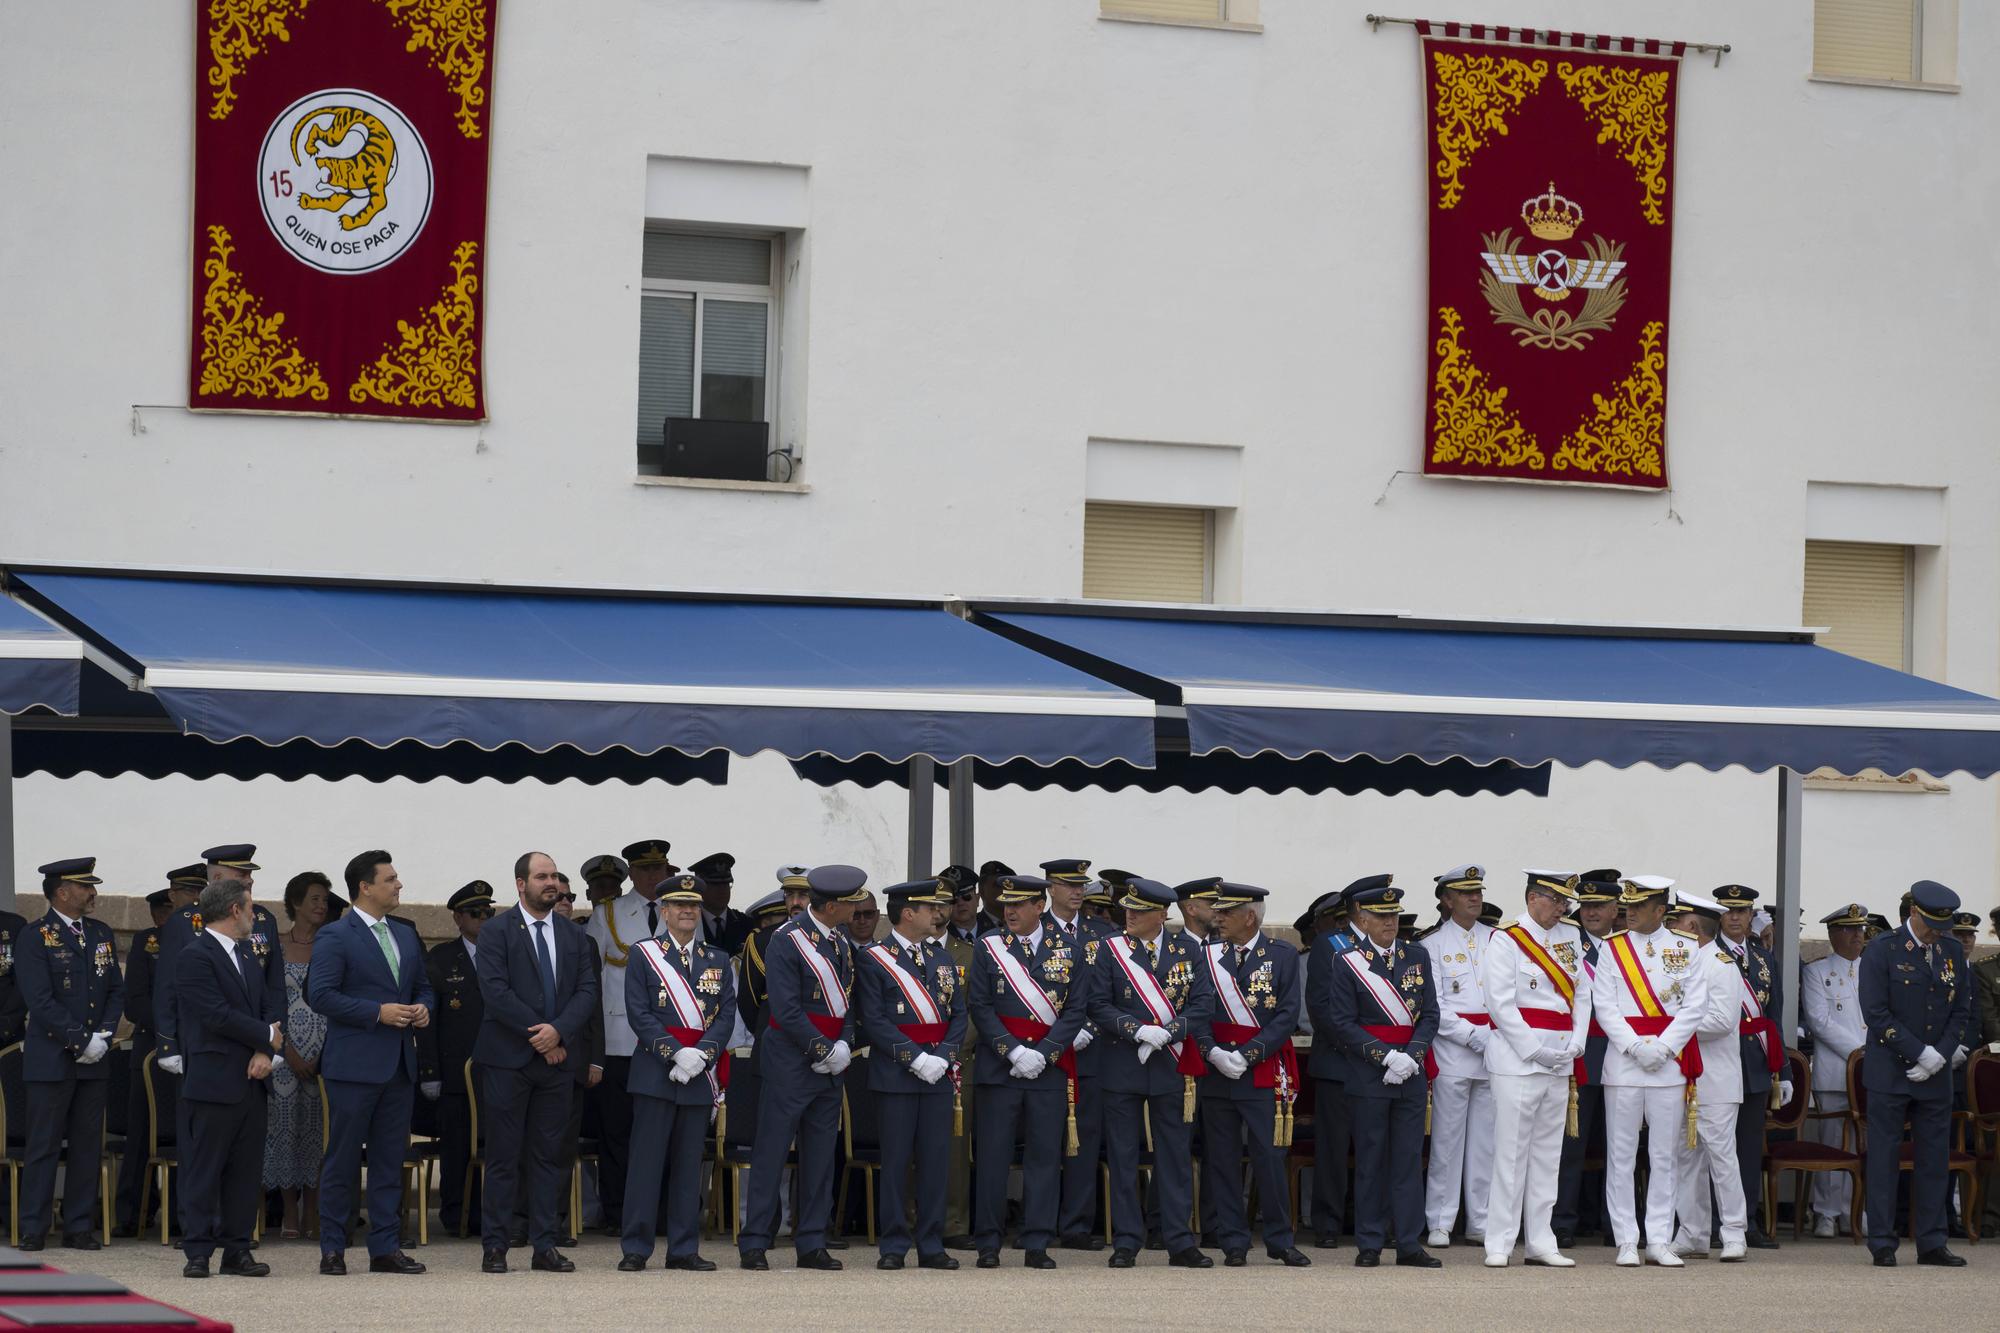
<point x="1227" y="993"/>
<point x="1240" y="1025"/>
<point x="1147" y="986"/>
<point x="1024" y="986"/>
<point x="1756" y="1023"/>
<point x="1393" y="1006"/>
<point x="829" y="980"/>
<point x="687" y="1007"/>
<point x="915" y="994"/>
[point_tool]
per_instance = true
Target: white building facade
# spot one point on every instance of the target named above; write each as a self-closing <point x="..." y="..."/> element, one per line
<point x="1021" y="258"/>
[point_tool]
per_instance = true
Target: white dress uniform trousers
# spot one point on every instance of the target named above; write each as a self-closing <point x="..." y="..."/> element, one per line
<point x="1830" y="1008"/>
<point x="1461" y="1097"/>
<point x="1712" y="1161"/>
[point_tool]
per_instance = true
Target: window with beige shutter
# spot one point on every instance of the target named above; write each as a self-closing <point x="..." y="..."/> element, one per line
<point x="1861" y="592"/>
<point x="1146" y="553"/>
<point x="1194" y="13"/>
<point x="1882" y="39"/>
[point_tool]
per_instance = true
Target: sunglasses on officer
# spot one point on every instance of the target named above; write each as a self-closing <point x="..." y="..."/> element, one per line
<point x="477" y="913"/>
<point x="565" y="897"/>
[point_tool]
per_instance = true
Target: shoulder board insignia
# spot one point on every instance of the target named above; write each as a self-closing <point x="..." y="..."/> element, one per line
<point x="1429" y="930"/>
<point x="1685" y="934"/>
<point x="152" y="944"/>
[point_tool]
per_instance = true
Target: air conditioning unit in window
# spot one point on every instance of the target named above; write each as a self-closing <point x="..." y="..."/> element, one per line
<point x="731" y="450"/>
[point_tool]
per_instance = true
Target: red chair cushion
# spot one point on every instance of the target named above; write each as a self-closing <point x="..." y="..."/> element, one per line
<point x="1791" y="1151"/>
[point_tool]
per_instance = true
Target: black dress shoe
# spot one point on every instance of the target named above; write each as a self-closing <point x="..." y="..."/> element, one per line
<point x="941" y="1261"/>
<point x="835" y="1243"/>
<point x="1120" y="1259"/>
<point x="1208" y="1241"/>
<point x="1035" y="1259"/>
<point x="1291" y="1258"/>
<point x="1190" y="1258"/>
<point x="1155" y="1241"/>
<point x="689" y="1263"/>
<point x="242" y="1265"/>
<point x="991" y="1258"/>
<point x="1326" y="1240"/>
<point x="1565" y="1239"/>
<point x="1235" y="1258"/>
<point x="889" y="1262"/>
<point x="1941" y="1258"/>
<point x="1082" y="1241"/>
<point x="1885" y="1258"/>
<point x="1367" y="1258"/>
<point x="1757" y="1240"/>
<point x="826" y="1263"/>
<point x="517" y="1240"/>
<point x="960" y="1241"/>
<point x="753" y="1260"/>
<point x="81" y="1240"/>
<point x="195" y="1268"/>
<point x="333" y="1264"/>
<point x="551" y="1261"/>
<point x="30" y="1243"/>
<point x="394" y="1262"/>
<point x="632" y="1263"/>
<point x="567" y="1242"/>
<point x="1417" y="1259"/>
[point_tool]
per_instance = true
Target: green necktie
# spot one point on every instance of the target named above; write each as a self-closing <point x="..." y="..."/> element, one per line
<point x="381" y="929"/>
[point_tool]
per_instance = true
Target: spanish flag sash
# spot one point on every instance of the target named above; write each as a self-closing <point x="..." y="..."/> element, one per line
<point x="1532" y="949"/>
<point x="1652" y="1018"/>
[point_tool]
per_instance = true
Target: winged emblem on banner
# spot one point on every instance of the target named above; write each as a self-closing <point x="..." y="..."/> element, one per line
<point x="1551" y="274"/>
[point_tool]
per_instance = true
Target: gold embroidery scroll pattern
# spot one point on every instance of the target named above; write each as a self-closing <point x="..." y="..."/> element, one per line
<point x="1631" y="109"/>
<point x="1474" y="96"/>
<point x="432" y="363"/>
<point x="454" y="33"/>
<point x="1627" y="432"/>
<point x="244" y="352"/>
<point x="238" y="32"/>
<point x="1470" y="420"/>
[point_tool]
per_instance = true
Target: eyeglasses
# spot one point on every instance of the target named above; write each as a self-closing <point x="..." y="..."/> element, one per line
<point x="477" y="913"/>
<point x="565" y="897"/>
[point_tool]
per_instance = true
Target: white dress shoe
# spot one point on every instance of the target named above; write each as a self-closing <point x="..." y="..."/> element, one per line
<point x="1496" y="1261"/>
<point x="1824" y="1228"/>
<point x="1438" y="1240"/>
<point x="1628" y="1256"/>
<point x="1733" y="1251"/>
<point x="1664" y="1256"/>
<point x="1687" y="1249"/>
<point x="1553" y="1259"/>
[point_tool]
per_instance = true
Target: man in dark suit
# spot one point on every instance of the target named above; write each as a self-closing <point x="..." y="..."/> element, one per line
<point x="540" y="990"/>
<point x="1150" y="998"/>
<point x="367" y="980"/>
<point x="1915" y="994"/>
<point x="1249" y="1044"/>
<point x="721" y="925"/>
<point x="227" y="1046"/>
<point x="69" y="977"/>
<point x="680" y="996"/>
<point x="141" y="961"/>
<point x="454" y="981"/>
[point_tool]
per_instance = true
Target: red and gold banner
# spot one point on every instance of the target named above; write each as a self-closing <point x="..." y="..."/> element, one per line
<point x="340" y="207"/>
<point x="1550" y="201"/>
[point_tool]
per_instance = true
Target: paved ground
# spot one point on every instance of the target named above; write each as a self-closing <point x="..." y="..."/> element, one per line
<point x="1813" y="1284"/>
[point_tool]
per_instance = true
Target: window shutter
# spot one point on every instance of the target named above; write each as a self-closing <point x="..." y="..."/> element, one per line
<point x="1145" y="553"/>
<point x="1861" y="591"/>
<point x="1874" y="39"/>
<point x="666" y="362"/>
<point x="682" y="257"/>
<point x="1166" y="9"/>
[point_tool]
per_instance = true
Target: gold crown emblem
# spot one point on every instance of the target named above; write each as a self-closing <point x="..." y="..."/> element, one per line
<point x="1551" y="216"/>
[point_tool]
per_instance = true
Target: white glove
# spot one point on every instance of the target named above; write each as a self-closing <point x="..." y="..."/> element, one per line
<point x="1784" y="1092"/>
<point x="1083" y="1040"/>
<point x="1916" y="1074"/>
<point x="1648" y="1054"/>
<point x="170" y="1063"/>
<point x="1400" y="1064"/>
<point x="1229" y="1063"/>
<point x="842" y="1056"/>
<point x="93" y="1052"/>
<point x="1550" y="1056"/>
<point x="1958" y="1058"/>
<point x="1477" y="1038"/>
<point x="928" y="1067"/>
<point x="1930" y="1061"/>
<point x="1027" y="1061"/>
<point x="431" y="1089"/>
<point x="1392" y="1078"/>
<point x="1149" y="1035"/>
<point x="689" y="1062"/>
<point x="1575" y="1048"/>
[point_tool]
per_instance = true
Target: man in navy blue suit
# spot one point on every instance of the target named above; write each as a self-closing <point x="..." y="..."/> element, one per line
<point x="368" y="981"/>
<point x="227" y="1046"/>
<point x="540" y="992"/>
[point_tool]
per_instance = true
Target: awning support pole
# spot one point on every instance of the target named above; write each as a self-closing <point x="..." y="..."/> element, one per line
<point x="923" y="787"/>
<point x="6" y="812"/>
<point x="1785" y="894"/>
<point x="961" y="813"/>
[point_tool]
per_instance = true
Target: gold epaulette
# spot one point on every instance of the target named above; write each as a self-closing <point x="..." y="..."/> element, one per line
<point x="1684" y="934"/>
<point x="610" y="910"/>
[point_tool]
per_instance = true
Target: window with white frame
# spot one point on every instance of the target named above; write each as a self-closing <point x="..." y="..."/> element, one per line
<point x="1860" y="593"/>
<point x="1147" y="553"/>
<point x="1886" y="41"/>
<point x="708" y="315"/>
<point x="1194" y="13"/>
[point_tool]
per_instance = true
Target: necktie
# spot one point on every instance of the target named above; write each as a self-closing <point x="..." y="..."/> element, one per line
<point x="548" y="967"/>
<point x="652" y="920"/>
<point x="76" y="929"/>
<point x="1242" y="952"/>
<point x="381" y="929"/>
<point x="687" y="959"/>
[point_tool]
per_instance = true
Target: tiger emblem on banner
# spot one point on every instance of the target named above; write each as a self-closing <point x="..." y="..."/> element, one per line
<point x="345" y="181"/>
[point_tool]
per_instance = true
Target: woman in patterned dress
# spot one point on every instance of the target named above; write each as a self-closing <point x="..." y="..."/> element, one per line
<point x="292" y="1148"/>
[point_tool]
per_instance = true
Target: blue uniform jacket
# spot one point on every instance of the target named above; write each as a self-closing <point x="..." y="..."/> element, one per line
<point x="884" y="1012"/>
<point x="221" y="1021"/>
<point x="182" y="928"/>
<point x="348" y="983"/>
<point x="1352" y="1008"/>
<point x="1761" y="970"/>
<point x="1057" y="968"/>
<point x="1269" y="982"/>
<point x="1089" y="929"/>
<point x="651" y="1011"/>
<point x="73" y="989"/>
<point x="1596" y="1044"/>
<point x="791" y="1043"/>
<point x="510" y="984"/>
<point x="1908" y="1005"/>
<point x="1325" y="1060"/>
<point x="1119" y="1013"/>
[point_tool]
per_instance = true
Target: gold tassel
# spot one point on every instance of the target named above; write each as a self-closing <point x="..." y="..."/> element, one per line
<point x="721" y="1123"/>
<point x="957" y="1113"/>
<point x="1777" y="1096"/>
<point x="1427" y="1115"/>
<point x="1187" y="1102"/>
<point x="1070" y="1085"/>
<point x="1572" y="1127"/>
<point x="1278" y="1124"/>
<point x="1146" y="1121"/>
<point x="1693" y="1106"/>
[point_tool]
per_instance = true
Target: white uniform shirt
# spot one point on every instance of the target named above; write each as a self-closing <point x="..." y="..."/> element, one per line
<point x="1721" y="1081"/>
<point x="1830" y="1004"/>
<point x="1512" y="979"/>
<point x="1681" y="974"/>
<point x="1457" y="957"/>
<point x="625" y="916"/>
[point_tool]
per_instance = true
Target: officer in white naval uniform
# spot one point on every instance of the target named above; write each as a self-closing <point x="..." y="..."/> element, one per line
<point x="1539" y="998"/>
<point x="1711" y="1161"/>
<point x="1830" y="1008"/>
<point x="1461" y="1096"/>
<point x="1650" y="992"/>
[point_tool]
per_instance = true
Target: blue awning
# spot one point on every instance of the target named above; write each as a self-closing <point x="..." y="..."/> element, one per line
<point x="1215" y="771"/>
<point x="331" y="662"/>
<point x="39" y="664"/>
<point x="1267" y="683"/>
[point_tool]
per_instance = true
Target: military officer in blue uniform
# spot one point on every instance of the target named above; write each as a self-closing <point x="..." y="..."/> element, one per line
<point x="1915" y="992"/>
<point x="766" y="915"/>
<point x="1761" y="989"/>
<point x="1255" y="1075"/>
<point x="1332" y="936"/>
<point x="228" y="861"/>
<point x="1382" y="1010"/>
<point x="183" y="887"/>
<point x="1069" y="883"/>
<point x="1026" y="994"/>
<point x="913" y="1017"/>
<point x="1150" y="997"/>
<point x="1597" y="908"/>
<point x="805" y="1048"/>
<point x="68" y="968"/>
<point x="446" y="1045"/>
<point x="680" y="997"/>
